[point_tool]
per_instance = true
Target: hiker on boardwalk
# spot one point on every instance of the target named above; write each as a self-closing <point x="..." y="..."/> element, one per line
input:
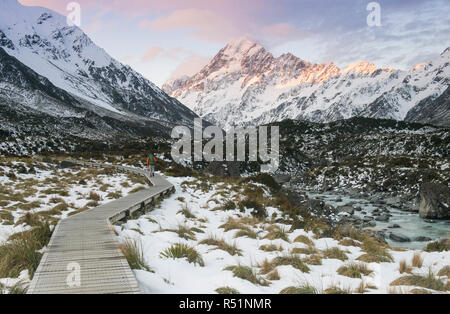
<point x="151" y="163"/>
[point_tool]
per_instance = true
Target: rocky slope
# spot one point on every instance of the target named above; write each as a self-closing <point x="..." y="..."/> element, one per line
<point x="61" y="63"/>
<point x="244" y="84"/>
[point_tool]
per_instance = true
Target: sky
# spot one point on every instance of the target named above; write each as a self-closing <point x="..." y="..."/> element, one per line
<point x="170" y="38"/>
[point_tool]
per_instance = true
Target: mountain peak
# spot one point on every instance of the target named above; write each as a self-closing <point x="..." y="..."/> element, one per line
<point x="362" y="67"/>
<point x="242" y="45"/>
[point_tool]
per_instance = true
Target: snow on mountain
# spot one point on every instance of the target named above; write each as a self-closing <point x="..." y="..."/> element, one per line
<point x="43" y="41"/>
<point x="244" y="84"/>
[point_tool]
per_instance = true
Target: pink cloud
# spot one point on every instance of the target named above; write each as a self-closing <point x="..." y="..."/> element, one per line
<point x="203" y="24"/>
<point x="190" y="66"/>
<point x="151" y="54"/>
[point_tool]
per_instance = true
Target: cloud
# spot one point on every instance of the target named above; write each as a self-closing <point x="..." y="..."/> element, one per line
<point x="201" y="24"/>
<point x="151" y="54"/>
<point x="190" y="66"/>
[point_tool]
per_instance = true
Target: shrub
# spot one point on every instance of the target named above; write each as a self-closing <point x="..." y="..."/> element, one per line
<point x="134" y="255"/>
<point x="180" y="250"/>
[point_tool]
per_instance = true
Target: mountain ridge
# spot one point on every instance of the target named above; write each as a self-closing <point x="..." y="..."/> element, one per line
<point x="244" y="85"/>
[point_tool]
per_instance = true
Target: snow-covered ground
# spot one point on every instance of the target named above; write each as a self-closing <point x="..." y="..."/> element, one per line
<point x="153" y="233"/>
<point x="46" y="192"/>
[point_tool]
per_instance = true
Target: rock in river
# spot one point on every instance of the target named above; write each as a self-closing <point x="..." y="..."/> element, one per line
<point x="399" y="237"/>
<point x="434" y="201"/>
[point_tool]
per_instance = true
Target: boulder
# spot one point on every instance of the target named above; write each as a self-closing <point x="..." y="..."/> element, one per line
<point x="282" y="178"/>
<point x="422" y="239"/>
<point x="434" y="201"/>
<point x="399" y="237"/>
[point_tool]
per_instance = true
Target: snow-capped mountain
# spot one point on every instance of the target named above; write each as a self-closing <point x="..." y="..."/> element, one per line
<point x="244" y="84"/>
<point x="42" y="40"/>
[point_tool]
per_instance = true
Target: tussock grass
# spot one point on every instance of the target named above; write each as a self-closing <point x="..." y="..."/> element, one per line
<point x="6" y="218"/>
<point x="354" y="270"/>
<point x="29" y="206"/>
<point x="302" y="289"/>
<point x="304" y="239"/>
<point x="20" y="252"/>
<point x="227" y="290"/>
<point x="186" y="211"/>
<point x="417" y="260"/>
<point x="247" y="273"/>
<point x="234" y="224"/>
<point x="271" y="248"/>
<point x="335" y="253"/>
<point x="307" y="251"/>
<point x="403" y="267"/>
<point x="180" y="250"/>
<point x="274" y="275"/>
<point x="247" y="233"/>
<point x="364" y="287"/>
<point x="285" y="260"/>
<point x="94" y="196"/>
<point x="438" y="246"/>
<point x="227" y="206"/>
<point x="221" y="244"/>
<point x="137" y="189"/>
<point x="184" y="232"/>
<point x="277" y="232"/>
<point x="445" y="271"/>
<point x="18" y="288"/>
<point x="375" y="252"/>
<point x="315" y="259"/>
<point x="132" y="250"/>
<point x="429" y="282"/>
<point x="114" y="195"/>
<point x="349" y="242"/>
<point x="337" y="290"/>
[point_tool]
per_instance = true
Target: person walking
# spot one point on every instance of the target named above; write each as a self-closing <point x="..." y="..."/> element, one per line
<point x="151" y="163"/>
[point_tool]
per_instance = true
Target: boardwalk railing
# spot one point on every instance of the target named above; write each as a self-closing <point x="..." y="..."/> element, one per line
<point x="83" y="255"/>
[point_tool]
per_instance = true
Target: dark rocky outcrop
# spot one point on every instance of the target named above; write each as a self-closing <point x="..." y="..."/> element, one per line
<point x="434" y="201"/>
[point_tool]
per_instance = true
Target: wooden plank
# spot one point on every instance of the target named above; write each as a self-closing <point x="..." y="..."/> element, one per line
<point x="87" y="239"/>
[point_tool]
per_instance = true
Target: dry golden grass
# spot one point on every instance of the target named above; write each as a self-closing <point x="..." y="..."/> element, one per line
<point x="429" y="282"/>
<point x="270" y="248"/>
<point x="304" y="239"/>
<point x="221" y="244"/>
<point x="354" y="270"/>
<point x="417" y="260"/>
<point x="273" y="276"/>
<point x="404" y="267"/>
<point x="335" y="253"/>
<point x="445" y="271"/>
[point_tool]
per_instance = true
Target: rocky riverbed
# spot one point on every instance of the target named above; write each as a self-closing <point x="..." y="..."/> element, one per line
<point x="392" y="218"/>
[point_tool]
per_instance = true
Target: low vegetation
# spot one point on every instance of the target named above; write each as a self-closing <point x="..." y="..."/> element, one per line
<point x="132" y="250"/>
<point x="181" y="250"/>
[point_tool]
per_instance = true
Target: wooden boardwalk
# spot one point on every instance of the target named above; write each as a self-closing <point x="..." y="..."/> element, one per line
<point x="87" y="241"/>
